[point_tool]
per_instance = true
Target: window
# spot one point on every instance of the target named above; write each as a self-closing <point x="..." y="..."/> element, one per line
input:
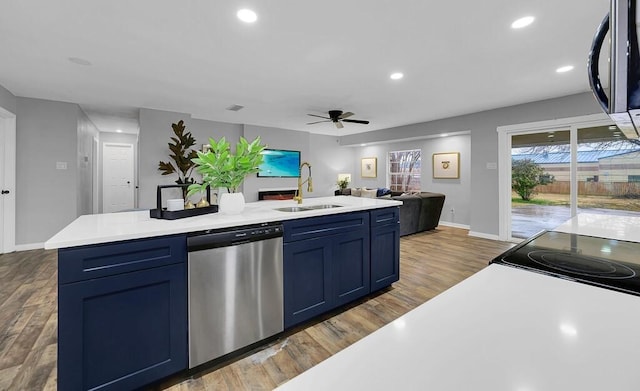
<point x="404" y="170"/>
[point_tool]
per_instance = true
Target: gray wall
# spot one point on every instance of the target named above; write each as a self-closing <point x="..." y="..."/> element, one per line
<point x="47" y="132"/>
<point x="279" y="139"/>
<point x="484" y="145"/>
<point x="7" y="100"/>
<point x="155" y="133"/>
<point x="87" y="131"/>
<point x="328" y="159"/>
<point x="457" y="191"/>
<point x="122" y="138"/>
<point x="46" y="198"/>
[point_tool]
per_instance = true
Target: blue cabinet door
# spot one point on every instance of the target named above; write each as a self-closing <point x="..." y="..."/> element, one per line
<point x="385" y="255"/>
<point x="123" y="331"/>
<point x="307" y="279"/>
<point x="350" y="266"/>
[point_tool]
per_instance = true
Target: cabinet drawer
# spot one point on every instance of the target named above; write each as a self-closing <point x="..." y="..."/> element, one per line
<point x="101" y="260"/>
<point x="385" y="216"/>
<point x="315" y="227"/>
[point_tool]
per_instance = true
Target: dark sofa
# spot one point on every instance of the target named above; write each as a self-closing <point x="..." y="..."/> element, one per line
<point x="419" y="212"/>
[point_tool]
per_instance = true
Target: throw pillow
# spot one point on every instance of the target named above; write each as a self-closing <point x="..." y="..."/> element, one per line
<point x="369" y="193"/>
<point x="356" y="192"/>
<point x="383" y="191"/>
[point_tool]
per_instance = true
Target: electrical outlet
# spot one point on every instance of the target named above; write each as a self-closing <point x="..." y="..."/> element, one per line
<point x="453" y="211"/>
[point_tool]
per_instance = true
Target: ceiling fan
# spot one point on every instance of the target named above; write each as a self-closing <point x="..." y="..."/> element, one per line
<point x="337" y="117"/>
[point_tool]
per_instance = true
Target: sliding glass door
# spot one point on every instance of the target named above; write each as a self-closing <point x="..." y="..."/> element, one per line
<point x="608" y="172"/>
<point x="540" y="162"/>
<point x="553" y="170"/>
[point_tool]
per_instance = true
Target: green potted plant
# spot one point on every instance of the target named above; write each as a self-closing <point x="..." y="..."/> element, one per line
<point x="343" y="183"/>
<point x="181" y="155"/>
<point x="220" y="167"/>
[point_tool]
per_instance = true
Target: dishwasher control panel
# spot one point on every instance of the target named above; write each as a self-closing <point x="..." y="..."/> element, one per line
<point x="224" y="237"/>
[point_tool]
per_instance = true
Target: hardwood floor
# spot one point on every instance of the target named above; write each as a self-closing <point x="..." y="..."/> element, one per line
<point x="431" y="262"/>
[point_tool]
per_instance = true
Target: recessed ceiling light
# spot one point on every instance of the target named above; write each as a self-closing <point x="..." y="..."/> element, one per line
<point x="522" y="22"/>
<point x="363" y="145"/>
<point x="79" y="61"/>
<point x="396" y="76"/>
<point x="444" y="134"/>
<point x="247" y="15"/>
<point x="119" y="130"/>
<point x="564" y="69"/>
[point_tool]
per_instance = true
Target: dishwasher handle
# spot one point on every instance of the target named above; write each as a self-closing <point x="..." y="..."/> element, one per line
<point x="208" y="240"/>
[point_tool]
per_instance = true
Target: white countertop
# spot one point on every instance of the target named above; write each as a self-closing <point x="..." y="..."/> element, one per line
<point x="111" y="227"/>
<point x="604" y="226"/>
<point x="501" y="329"/>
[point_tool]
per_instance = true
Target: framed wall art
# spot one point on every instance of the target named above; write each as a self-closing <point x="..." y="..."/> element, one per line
<point x="369" y="167"/>
<point x="446" y="165"/>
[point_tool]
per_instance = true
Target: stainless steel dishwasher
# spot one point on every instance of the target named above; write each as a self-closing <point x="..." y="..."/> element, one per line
<point x="235" y="289"/>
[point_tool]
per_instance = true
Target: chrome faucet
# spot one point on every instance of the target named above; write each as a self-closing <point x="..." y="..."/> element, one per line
<point x="298" y="196"/>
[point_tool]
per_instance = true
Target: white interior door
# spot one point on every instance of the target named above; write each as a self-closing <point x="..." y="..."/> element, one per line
<point x="117" y="175"/>
<point x="7" y="181"/>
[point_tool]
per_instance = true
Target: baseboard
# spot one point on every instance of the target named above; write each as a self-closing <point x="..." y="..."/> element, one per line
<point x="453" y="225"/>
<point x="483" y="235"/>
<point x="31" y="246"/>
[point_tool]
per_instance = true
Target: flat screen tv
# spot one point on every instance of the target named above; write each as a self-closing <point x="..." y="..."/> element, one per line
<point x="280" y="163"/>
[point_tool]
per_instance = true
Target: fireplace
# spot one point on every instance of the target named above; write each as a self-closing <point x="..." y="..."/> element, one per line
<point x="276" y="194"/>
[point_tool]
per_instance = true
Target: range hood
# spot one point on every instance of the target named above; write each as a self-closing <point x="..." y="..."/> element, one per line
<point x="621" y="101"/>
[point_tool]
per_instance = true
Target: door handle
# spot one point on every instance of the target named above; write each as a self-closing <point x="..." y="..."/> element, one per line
<point x="128" y="182"/>
<point x="592" y="65"/>
<point x="5" y="191"/>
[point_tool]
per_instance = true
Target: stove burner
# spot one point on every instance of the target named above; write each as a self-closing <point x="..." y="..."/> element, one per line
<point x="581" y="265"/>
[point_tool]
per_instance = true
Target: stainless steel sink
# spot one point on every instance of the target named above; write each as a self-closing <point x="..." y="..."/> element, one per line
<point x="324" y="206"/>
<point x="293" y="209"/>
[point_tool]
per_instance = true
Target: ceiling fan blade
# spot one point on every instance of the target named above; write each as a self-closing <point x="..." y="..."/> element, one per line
<point x="339" y="124"/>
<point x="345" y="115"/>
<point x="319" y="116"/>
<point x="356" y="121"/>
<point x="317" y="122"/>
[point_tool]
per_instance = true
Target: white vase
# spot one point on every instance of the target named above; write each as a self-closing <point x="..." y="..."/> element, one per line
<point x="231" y="203"/>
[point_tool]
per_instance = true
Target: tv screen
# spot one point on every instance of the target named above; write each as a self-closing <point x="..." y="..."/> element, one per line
<point x="280" y="163"/>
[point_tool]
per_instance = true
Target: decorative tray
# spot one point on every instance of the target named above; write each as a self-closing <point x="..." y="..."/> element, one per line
<point x="163" y="213"/>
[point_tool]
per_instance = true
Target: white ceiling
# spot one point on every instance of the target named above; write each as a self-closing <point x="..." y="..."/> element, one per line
<point x="300" y="57"/>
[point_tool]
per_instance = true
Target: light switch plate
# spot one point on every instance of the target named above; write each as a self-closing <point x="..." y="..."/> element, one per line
<point x="61" y="165"/>
<point x="492" y="166"/>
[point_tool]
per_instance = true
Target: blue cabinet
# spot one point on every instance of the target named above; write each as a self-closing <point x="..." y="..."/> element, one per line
<point x="307" y="279"/>
<point x="385" y="247"/>
<point x="326" y="264"/>
<point x="122" y="313"/>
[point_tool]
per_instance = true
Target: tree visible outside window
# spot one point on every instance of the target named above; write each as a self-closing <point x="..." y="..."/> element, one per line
<point x="404" y="170"/>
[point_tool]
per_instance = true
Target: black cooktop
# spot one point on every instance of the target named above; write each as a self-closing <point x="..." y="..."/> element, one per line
<point x="608" y="263"/>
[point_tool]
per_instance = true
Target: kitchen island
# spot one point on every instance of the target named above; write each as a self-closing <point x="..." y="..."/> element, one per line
<point x="123" y="280"/>
<point x="503" y="328"/>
